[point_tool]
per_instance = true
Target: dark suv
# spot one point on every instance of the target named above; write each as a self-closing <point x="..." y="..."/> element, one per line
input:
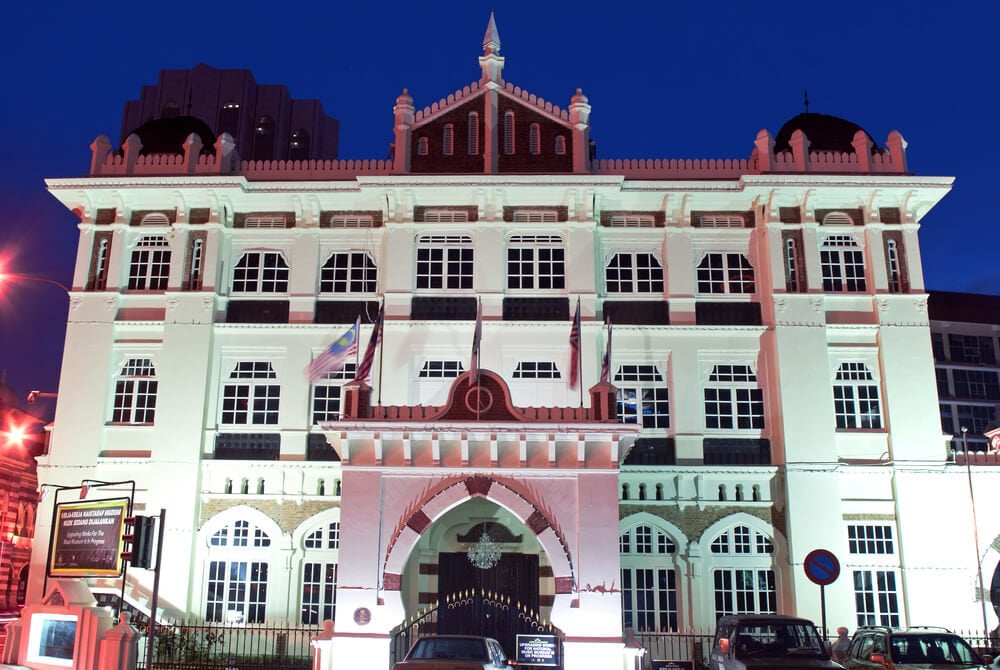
<point x="768" y="642"/>
<point x="881" y="647"/>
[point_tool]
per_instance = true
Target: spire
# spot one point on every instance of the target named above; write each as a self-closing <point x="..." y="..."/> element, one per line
<point x="491" y="40"/>
<point x="491" y="61"/>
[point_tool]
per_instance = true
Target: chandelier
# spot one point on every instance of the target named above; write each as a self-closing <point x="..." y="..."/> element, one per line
<point x="485" y="553"/>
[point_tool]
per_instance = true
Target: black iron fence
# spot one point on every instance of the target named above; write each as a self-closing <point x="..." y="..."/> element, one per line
<point x="693" y="646"/>
<point x="211" y="646"/>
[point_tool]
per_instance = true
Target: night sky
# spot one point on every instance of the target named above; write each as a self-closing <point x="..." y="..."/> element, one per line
<point x="665" y="80"/>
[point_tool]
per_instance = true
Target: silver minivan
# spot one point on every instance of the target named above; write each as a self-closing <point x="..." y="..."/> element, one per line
<point x="745" y="641"/>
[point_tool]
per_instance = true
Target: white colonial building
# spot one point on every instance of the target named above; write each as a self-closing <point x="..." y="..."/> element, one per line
<point x="772" y="386"/>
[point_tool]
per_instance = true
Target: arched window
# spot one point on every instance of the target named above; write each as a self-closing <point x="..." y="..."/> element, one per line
<point x="260" y="272"/>
<point x="237" y="573"/>
<point x="150" y="264"/>
<point x="320" y="545"/>
<point x="534" y="139"/>
<point x="725" y="273"/>
<point x="197" y="255"/>
<point x="856" y="397"/>
<point x="649" y="580"/>
<point x="633" y="272"/>
<point x="473" y="134"/>
<point x="743" y="580"/>
<point x="448" y="139"/>
<point x="843" y="264"/>
<point x="508" y="133"/>
<point x="422" y="146"/>
<point x="560" y="147"/>
<point x="135" y="393"/>
<point x="348" y="272"/>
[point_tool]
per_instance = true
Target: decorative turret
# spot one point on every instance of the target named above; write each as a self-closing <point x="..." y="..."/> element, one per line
<point x="579" y="116"/>
<point x="403" y="112"/>
<point x="491" y="61"/>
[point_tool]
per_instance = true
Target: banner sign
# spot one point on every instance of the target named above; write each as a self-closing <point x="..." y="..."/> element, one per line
<point x="538" y="650"/>
<point x="87" y="539"/>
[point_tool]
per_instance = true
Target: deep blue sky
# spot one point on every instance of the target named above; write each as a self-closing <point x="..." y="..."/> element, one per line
<point x="665" y="79"/>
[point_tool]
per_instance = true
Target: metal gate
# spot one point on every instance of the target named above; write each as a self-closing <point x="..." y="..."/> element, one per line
<point x="472" y="612"/>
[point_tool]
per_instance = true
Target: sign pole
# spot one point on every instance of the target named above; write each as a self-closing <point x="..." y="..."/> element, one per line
<point x="151" y="632"/>
<point x="822" y="607"/>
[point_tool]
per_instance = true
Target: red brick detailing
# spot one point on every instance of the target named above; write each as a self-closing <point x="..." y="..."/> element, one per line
<point x="392" y="582"/>
<point x="537" y="522"/>
<point x="564" y="585"/>
<point x="419" y="521"/>
<point x="478" y="486"/>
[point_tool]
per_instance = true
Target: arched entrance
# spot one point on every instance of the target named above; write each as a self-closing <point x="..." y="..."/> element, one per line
<point x="504" y="588"/>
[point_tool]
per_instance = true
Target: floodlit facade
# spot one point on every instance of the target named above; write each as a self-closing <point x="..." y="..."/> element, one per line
<point x="770" y="386"/>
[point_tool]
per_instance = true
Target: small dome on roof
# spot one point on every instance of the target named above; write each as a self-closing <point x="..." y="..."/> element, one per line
<point x="825" y="133"/>
<point x="167" y="136"/>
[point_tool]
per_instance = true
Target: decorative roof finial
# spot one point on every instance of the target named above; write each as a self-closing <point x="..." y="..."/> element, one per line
<point x="491" y="40"/>
<point x="491" y="61"/>
<point x="806" y="94"/>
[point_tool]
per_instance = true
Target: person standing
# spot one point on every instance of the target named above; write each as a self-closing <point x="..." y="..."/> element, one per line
<point x="840" y="645"/>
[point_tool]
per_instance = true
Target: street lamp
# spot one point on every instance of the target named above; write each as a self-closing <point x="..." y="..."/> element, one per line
<point x="975" y="529"/>
<point x="13" y="276"/>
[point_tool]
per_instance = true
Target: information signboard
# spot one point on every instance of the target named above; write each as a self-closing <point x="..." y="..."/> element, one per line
<point x="659" y="664"/>
<point x="87" y="539"/>
<point x="538" y="650"/>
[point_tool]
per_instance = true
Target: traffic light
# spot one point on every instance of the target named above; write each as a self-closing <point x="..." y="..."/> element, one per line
<point x="137" y="541"/>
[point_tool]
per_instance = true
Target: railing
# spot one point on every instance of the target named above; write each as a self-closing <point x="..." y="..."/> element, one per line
<point x="211" y="646"/>
<point x="694" y="646"/>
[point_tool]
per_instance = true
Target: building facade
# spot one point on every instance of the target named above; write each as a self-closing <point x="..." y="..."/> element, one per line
<point x="756" y="378"/>
<point x="264" y="121"/>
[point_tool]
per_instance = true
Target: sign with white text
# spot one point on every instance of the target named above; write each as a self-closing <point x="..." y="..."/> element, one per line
<point x="87" y="539"/>
<point x="538" y="650"/>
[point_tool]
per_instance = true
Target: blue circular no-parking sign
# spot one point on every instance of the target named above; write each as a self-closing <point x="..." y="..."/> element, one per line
<point x="821" y="567"/>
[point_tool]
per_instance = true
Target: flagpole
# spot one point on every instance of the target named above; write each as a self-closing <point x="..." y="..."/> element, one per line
<point x="381" y="352"/>
<point x="579" y="356"/>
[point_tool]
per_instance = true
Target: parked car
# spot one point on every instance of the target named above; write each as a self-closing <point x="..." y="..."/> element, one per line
<point x="768" y="641"/>
<point x="454" y="652"/>
<point x="919" y="647"/>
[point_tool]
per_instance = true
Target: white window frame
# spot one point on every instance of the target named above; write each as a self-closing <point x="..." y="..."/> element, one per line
<point x="536" y="263"/>
<point x="737" y="397"/>
<point x="542" y="370"/>
<point x="136" y="385"/>
<point x="260" y="272"/>
<point x="741" y="564"/>
<point x="441" y="369"/>
<point x="327" y="394"/>
<point x="642" y="275"/>
<point x="250" y="396"/>
<point x="857" y="399"/>
<point x="348" y="271"/>
<point x="725" y="273"/>
<point x="841" y="257"/>
<point x="149" y="268"/>
<point x="722" y="221"/>
<point x="352" y="221"/>
<point x="646" y="386"/>
<point x="444" y="263"/>
<point x="236" y="550"/>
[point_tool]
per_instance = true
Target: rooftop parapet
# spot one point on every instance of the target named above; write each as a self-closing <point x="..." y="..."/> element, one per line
<point x="130" y="161"/>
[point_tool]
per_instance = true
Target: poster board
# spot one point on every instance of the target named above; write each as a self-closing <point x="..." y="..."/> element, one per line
<point x="87" y="538"/>
<point x="541" y="650"/>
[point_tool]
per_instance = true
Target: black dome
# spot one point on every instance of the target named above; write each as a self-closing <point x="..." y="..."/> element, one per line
<point x="825" y="133"/>
<point x="167" y="136"/>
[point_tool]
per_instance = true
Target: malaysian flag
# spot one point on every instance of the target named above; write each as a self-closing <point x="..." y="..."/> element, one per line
<point x="365" y="369"/>
<point x="335" y="355"/>
<point x="606" y="361"/>
<point x="477" y="337"/>
<point x="574" y="348"/>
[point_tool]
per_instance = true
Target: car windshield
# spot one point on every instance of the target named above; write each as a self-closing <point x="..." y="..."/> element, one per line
<point x="766" y="638"/>
<point x="450" y="647"/>
<point x="938" y="648"/>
